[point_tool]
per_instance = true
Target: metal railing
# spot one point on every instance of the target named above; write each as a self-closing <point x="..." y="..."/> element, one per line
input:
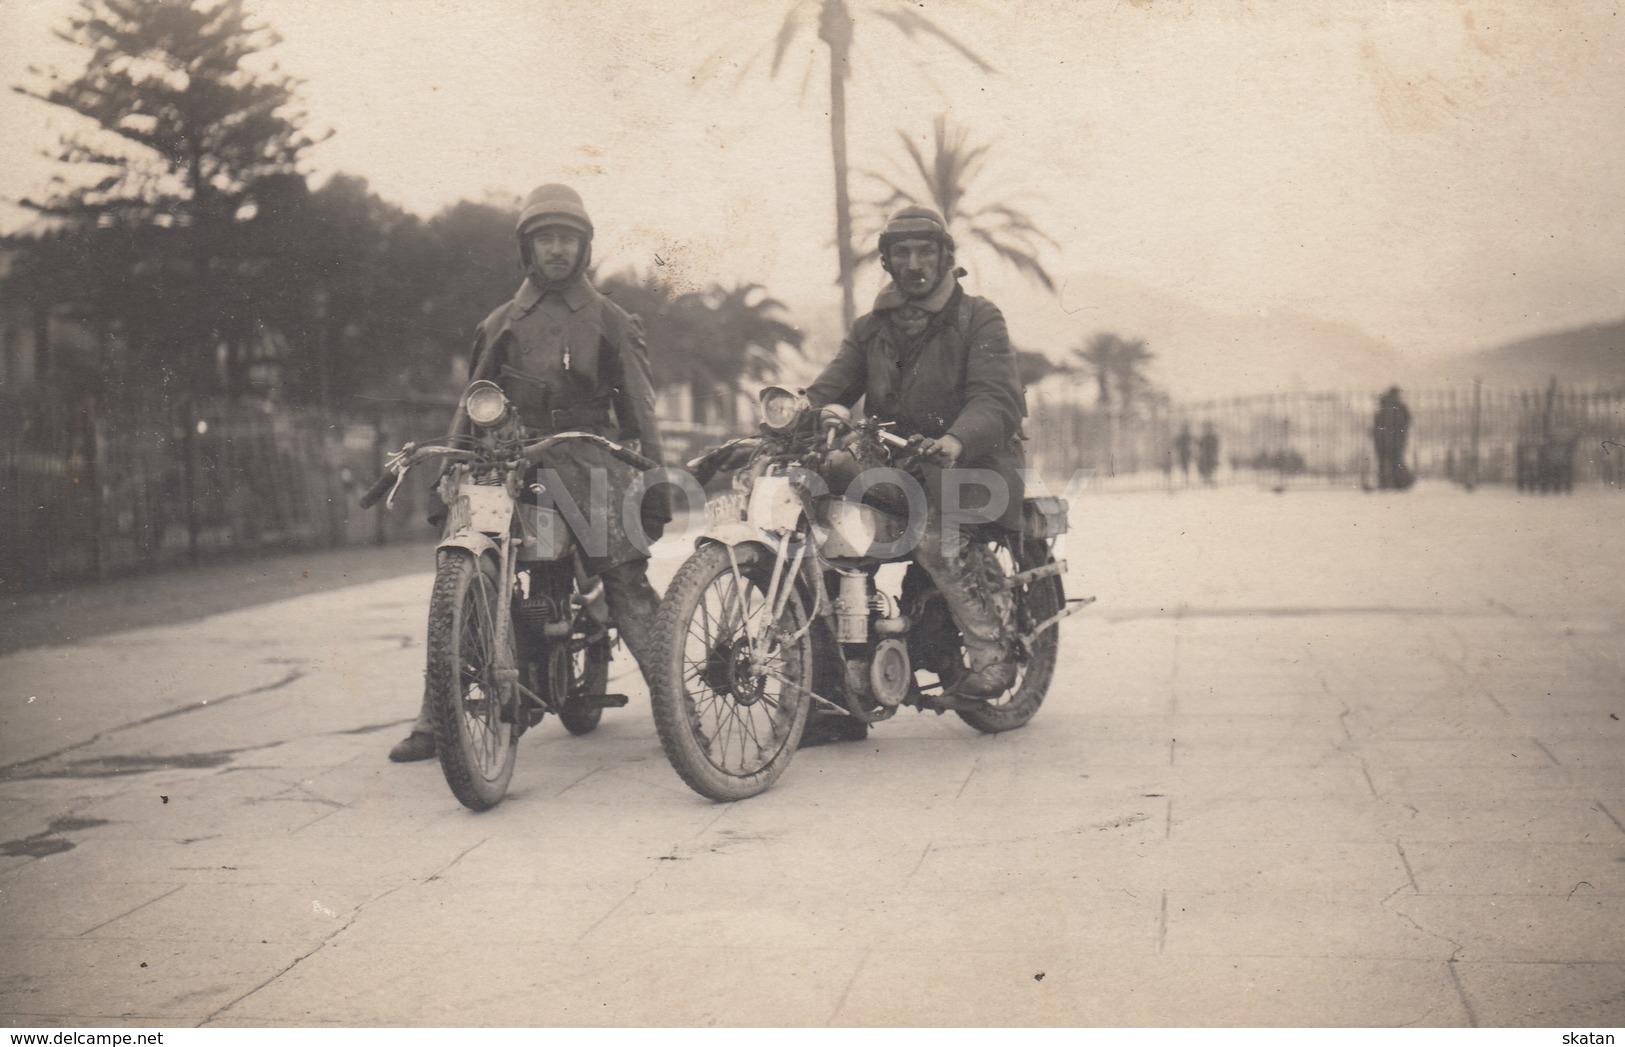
<point x="1550" y="438"/>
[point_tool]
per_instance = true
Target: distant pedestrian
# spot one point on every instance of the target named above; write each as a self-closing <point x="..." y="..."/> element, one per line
<point x="1207" y="453"/>
<point x="1389" y="431"/>
<point x="1182" y="448"/>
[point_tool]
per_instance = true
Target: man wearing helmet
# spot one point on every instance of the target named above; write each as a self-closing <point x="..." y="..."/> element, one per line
<point x="569" y="358"/>
<point x="937" y="362"/>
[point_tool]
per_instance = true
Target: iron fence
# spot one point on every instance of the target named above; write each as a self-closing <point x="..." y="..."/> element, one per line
<point x="1541" y="439"/>
<point x="92" y="487"/>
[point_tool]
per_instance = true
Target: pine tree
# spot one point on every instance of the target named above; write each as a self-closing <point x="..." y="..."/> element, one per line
<point x="184" y="137"/>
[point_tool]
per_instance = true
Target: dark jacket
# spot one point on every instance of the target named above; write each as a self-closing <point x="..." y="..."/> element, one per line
<point x="573" y="359"/>
<point x="958" y="377"/>
<point x="1391" y="424"/>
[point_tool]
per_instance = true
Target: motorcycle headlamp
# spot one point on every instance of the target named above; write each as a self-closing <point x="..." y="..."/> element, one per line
<point x="781" y="408"/>
<point x="487" y="407"/>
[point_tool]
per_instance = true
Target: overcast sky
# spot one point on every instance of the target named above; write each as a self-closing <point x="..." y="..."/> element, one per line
<point x="1439" y="174"/>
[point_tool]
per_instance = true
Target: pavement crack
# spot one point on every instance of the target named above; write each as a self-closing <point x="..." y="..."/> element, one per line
<point x="1387" y="903"/>
<point x="1365" y="772"/>
<point x="292" y="677"/>
<point x="1162" y="924"/>
<point x="1610" y="816"/>
<point x="1342" y="717"/>
<point x="127" y="912"/>
<point x="577" y="782"/>
<point x="432" y="877"/>
<point x="318" y="947"/>
<point x="920" y="862"/>
<point x="118" y="765"/>
<point x="672" y="855"/>
<point x="1548" y="752"/>
<point x="968" y="776"/>
<point x="8" y="772"/>
<point x="1461" y="991"/>
<point x="1409" y="872"/>
<point x="846" y="990"/>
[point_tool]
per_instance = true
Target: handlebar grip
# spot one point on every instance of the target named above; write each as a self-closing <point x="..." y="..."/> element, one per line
<point x="634" y="459"/>
<point x="379" y="488"/>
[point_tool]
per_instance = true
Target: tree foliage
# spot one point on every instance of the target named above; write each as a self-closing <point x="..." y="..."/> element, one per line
<point x="946" y="178"/>
<point x="181" y="126"/>
<point x="1118" y="366"/>
<point x="835" y="25"/>
<point x="714" y="341"/>
<point x="194" y="260"/>
<point x="183" y="147"/>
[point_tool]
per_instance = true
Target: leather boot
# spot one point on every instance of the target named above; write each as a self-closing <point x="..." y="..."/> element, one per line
<point x="633" y="603"/>
<point x="971" y="585"/>
<point x="419" y="745"/>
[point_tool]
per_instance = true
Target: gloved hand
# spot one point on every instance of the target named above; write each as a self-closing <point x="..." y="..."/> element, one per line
<point x="942" y="450"/>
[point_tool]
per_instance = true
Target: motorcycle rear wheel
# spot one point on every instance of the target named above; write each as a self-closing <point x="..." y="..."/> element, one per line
<point x="587" y="673"/>
<point x="1033" y="604"/>
<point x="475" y="737"/>
<point x="729" y="725"/>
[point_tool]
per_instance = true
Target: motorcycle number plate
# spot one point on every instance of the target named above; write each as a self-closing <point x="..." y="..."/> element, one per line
<point x="774" y="504"/>
<point x="489" y="509"/>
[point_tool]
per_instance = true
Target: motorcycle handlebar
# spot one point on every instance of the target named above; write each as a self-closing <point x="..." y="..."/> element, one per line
<point x="533" y="452"/>
<point x="379" y="488"/>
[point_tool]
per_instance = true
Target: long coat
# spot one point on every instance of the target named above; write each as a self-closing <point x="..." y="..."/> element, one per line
<point x="573" y="359"/>
<point x="1390" y="426"/>
<point x="956" y="378"/>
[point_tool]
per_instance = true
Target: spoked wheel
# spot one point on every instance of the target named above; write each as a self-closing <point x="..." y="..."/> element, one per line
<point x="730" y="717"/>
<point x="474" y="736"/>
<point x="576" y="669"/>
<point x="1035" y="662"/>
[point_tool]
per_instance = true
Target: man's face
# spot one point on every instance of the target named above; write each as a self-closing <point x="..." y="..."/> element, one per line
<point x="916" y="265"/>
<point x="555" y="249"/>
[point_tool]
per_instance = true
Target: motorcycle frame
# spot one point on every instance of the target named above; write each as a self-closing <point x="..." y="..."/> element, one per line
<point x="763" y="524"/>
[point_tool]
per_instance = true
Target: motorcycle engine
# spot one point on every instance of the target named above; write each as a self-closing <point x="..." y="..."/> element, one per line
<point x="889" y="673"/>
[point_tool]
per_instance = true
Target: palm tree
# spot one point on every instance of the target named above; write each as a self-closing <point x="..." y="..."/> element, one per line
<point x="948" y="174"/>
<point x="712" y="341"/>
<point x="1117" y="362"/>
<point x="743" y="339"/>
<point x="835" y="25"/>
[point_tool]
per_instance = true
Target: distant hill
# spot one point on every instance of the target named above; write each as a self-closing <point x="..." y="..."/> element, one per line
<point x="1199" y="353"/>
<point x="1593" y="355"/>
<point x="1202" y="354"/>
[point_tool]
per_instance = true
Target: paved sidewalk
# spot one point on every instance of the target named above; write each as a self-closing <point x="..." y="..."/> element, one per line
<point x="1315" y="759"/>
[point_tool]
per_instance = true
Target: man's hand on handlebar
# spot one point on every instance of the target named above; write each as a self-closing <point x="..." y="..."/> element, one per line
<point x="942" y="450"/>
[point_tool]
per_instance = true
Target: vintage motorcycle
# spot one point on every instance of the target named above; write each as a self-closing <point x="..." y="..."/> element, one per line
<point x="518" y="628"/>
<point x="777" y="614"/>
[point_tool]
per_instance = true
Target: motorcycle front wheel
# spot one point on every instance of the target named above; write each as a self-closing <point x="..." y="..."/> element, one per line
<point x="729" y="718"/>
<point x="1035" y="663"/>
<point x="475" y="736"/>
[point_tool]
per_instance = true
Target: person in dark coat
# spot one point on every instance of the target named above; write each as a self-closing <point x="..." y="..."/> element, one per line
<point x="1207" y="453"/>
<point x="1389" y="430"/>
<point x="937" y="362"/>
<point x="570" y="359"/>
<point x="1182" y="447"/>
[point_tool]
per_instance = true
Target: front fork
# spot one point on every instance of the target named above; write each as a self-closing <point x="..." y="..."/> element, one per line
<point x="780" y="588"/>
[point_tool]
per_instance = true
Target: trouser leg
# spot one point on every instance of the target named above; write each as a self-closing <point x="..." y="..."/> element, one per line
<point x="977" y="603"/>
<point x="633" y="603"/>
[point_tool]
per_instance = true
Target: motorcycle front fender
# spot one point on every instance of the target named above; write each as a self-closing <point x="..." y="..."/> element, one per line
<point x="475" y="542"/>
<point x="731" y="532"/>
